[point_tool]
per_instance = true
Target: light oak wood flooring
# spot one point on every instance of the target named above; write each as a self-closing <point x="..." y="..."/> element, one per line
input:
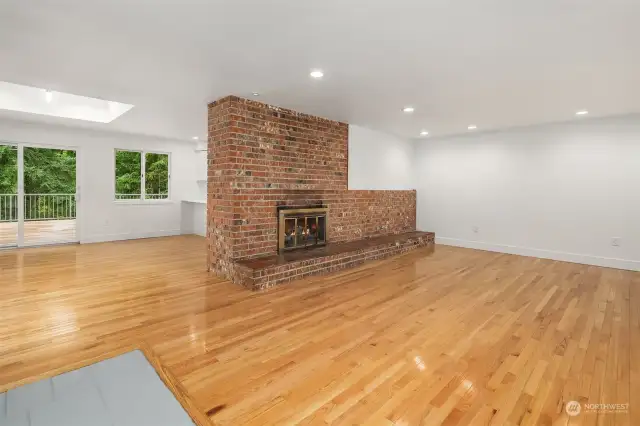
<point x="449" y="337"/>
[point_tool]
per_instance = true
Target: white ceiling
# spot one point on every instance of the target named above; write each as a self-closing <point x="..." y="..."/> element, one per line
<point x="490" y="63"/>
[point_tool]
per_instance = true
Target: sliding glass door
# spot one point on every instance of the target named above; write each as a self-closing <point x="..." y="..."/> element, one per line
<point x="38" y="200"/>
<point x="8" y="195"/>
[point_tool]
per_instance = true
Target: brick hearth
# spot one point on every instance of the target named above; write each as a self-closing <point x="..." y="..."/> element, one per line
<point x="267" y="271"/>
<point x="261" y="157"/>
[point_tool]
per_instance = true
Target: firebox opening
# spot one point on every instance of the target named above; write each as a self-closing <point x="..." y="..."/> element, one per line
<point x="301" y="228"/>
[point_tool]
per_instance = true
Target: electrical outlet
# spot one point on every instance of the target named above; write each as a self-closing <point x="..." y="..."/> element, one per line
<point x="615" y="241"/>
<point x="475" y="229"/>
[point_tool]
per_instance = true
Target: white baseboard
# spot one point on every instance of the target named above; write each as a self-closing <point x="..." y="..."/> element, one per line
<point x="130" y="236"/>
<point x="190" y="231"/>
<point x="631" y="265"/>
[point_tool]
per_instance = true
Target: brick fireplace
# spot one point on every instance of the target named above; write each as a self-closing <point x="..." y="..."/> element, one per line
<point x="263" y="159"/>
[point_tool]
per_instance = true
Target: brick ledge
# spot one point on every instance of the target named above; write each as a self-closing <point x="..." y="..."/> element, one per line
<point x="267" y="271"/>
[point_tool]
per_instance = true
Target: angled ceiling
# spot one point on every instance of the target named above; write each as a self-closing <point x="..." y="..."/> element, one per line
<point x="494" y="64"/>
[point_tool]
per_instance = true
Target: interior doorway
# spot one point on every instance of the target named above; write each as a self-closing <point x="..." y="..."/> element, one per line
<point x="38" y="195"/>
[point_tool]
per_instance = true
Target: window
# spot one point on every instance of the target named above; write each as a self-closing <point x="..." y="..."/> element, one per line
<point x="142" y="180"/>
<point x="128" y="175"/>
<point x="156" y="180"/>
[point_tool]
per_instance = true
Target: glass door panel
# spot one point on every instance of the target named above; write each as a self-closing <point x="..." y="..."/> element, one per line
<point x="49" y="196"/>
<point x="8" y="195"/>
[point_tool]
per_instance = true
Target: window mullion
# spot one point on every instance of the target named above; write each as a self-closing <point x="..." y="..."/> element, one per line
<point x="143" y="175"/>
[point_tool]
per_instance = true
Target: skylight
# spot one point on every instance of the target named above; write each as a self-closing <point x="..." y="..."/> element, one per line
<point x="15" y="97"/>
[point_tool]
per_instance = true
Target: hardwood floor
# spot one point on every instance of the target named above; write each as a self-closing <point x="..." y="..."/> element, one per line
<point x="452" y="337"/>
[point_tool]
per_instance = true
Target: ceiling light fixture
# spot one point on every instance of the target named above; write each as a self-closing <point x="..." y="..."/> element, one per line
<point x="424" y="133"/>
<point x="195" y="138"/>
<point x="256" y="94"/>
<point x="472" y="127"/>
<point x="316" y="74"/>
<point x="583" y="112"/>
<point x="408" y="109"/>
<point x="48" y="96"/>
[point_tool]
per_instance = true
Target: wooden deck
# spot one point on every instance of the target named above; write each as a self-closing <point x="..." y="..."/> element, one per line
<point x="38" y="233"/>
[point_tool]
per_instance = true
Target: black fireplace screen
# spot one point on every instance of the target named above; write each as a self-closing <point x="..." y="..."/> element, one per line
<point x="300" y="228"/>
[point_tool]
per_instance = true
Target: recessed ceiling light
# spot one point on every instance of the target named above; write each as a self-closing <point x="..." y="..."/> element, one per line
<point x="583" y="112"/>
<point x="408" y="109"/>
<point x="33" y="100"/>
<point x="316" y="74"/>
<point x="472" y="127"/>
<point x="424" y="133"/>
<point x="195" y="138"/>
<point x="256" y="94"/>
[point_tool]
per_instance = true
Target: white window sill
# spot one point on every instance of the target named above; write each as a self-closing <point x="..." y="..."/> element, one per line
<point x="142" y="202"/>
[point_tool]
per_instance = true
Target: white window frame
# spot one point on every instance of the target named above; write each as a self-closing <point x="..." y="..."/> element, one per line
<point x="143" y="175"/>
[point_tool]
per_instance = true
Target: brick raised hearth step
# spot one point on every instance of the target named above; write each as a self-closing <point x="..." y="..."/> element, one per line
<point x="267" y="271"/>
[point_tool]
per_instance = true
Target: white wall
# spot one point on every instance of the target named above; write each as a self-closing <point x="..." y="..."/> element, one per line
<point x="557" y="191"/>
<point x="379" y="161"/>
<point x="100" y="218"/>
<point x="194" y="218"/>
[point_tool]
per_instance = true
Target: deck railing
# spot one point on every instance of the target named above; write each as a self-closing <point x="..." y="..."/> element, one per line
<point x="38" y="207"/>
<point x="8" y="207"/>
<point x="128" y="196"/>
<point x="139" y="196"/>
